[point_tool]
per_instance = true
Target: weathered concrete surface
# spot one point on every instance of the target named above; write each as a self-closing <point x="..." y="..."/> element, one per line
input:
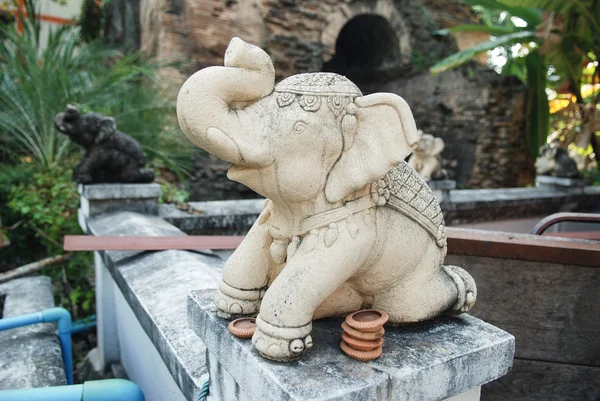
<point x="429" y="361"/>
<point x="571" y="184"/>
<point x="119" y="191"/>
<point x="30" y="356"/>
<point x="155" y="285"/>
<point x="129" y="224"/>
<point x="104" y="198"/>
<point x="478" y="205"/>
<point x="233" y="217"/>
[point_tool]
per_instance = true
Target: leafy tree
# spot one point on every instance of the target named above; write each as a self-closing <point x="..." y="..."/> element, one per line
<point x="558" y="40"/>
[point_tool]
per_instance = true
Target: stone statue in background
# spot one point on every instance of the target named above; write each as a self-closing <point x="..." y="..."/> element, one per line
<point x="347" y="223"/>
<point x="555" y="161"/>
<point x="110" y="155"/>
<point x="426" y="157"/>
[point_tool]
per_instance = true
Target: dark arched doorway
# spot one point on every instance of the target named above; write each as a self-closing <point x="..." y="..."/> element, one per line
<point x="366" y="51"/>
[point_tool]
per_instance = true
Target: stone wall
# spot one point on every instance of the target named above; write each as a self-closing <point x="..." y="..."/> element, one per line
<point x="479" y="114"/>
<point x="210" y="180"/>
<point x="383" y="45"/>
<point x="299" y="35"/>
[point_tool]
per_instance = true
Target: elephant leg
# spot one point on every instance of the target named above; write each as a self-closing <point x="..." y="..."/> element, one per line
<point x="246" y="273"/>
<point x="467" y="290"/>
<point x="421" y="297"/>
<point x="323" y="262"/>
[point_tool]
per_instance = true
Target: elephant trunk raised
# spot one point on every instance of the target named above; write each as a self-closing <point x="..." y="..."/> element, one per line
<point x="213" y="118"/>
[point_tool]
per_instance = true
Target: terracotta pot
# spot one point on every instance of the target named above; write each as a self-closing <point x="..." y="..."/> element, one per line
<point x="361" y="355"/>
<point x="367" y="320"/>
<point x="364" y="336"/>
<point x="243" y="327"/>
<point x="362" y="345"/>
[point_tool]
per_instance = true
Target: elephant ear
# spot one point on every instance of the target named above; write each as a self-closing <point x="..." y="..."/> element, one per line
<point x="385" y="134"/>
<point x="438" y="146"/>
<point x="107" y="128"/>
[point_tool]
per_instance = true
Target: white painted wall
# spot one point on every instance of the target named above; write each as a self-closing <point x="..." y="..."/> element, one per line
<point x="121" y="337"/>
<point x="49" y="8"/>
<point x="139" y="357"/>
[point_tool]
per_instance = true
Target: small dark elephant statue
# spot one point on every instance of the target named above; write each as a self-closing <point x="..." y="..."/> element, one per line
<point x="110" y="155"/>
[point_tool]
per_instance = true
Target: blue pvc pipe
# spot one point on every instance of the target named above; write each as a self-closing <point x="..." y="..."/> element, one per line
<point x="83" y="325"/>
<point x="62" y="317"/>
<point x="100" y="390"/>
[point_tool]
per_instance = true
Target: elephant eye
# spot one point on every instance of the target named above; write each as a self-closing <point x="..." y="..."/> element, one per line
<point x="299" y="127"/>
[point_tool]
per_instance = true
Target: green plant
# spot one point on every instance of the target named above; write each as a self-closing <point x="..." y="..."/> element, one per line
<point x="47" y="204"/>
<point x="171" y="193"/>
<point x="592" y="176"/>
<point x="556" y="38"/>
<point x="36" y="82"/>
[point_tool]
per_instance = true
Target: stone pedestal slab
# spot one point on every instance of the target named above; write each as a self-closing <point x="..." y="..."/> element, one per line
<point x="429" y="361"/>
<point x="103" y="198"/>
<point x="572" y="185"/>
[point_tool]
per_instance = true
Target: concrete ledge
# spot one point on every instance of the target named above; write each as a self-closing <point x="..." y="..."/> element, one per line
<point x="155" y="286"/>
<point x="119" y="191"/>
<point x="479" y="205"/>
<point x="219" y="217"/>
<point x="460" y="206"/>
<point x="30" y="356"/>
<point x="429" y="361"/>
<point x="97" y="199"/>
<point x="129" y="224"/>
<point x="572" y="185"/>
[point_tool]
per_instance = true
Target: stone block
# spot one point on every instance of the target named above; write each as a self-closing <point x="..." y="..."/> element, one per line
<point x="428" y="361"/>
<point x="119" y="191"/>
<point x="104" y="198"/>
<point x="129" y="224"/>
<point x="30" y="356"/>
<point x="571" y="185"/>
<point x="232" y="217"/>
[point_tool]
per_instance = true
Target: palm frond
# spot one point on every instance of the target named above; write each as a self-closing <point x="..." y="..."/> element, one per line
<point x="468" y="54"/>
<point x="38" y="82"/>
<point x="527" y="13"/>
<point x="564" y="7"/>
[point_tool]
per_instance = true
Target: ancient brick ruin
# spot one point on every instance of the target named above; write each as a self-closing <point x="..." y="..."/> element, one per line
<point x="382" y="45"/>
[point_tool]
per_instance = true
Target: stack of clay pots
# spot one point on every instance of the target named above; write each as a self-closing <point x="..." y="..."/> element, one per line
<point x="363" y="334"/>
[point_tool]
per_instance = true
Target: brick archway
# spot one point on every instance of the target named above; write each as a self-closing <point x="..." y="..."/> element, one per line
<point x="383" y="8"/>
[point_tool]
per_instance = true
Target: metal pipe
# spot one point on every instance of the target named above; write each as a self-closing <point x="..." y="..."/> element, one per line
<point x="99" y="390"/>
<point x="62" y="317"/>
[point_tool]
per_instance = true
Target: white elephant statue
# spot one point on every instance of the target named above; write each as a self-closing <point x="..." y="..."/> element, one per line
<point x="425" y="158"/>
<point x="347" y="223"/>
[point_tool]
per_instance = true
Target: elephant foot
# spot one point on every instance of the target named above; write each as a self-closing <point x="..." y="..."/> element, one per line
<point x="467" y="290"/>
<point x="233" y="302"/>
<point x="281" y="344"/>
